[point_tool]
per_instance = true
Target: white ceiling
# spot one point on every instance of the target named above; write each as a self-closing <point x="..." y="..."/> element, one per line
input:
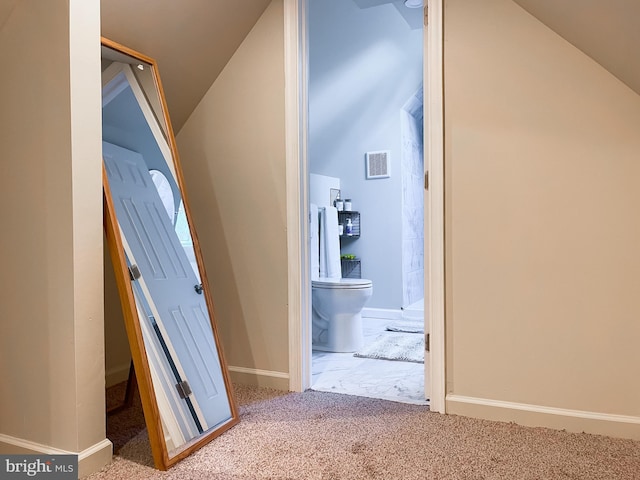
<point x="413" y="16"/>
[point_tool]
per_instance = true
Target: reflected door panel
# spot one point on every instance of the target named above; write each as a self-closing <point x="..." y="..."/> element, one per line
<point x="178" y="312"/>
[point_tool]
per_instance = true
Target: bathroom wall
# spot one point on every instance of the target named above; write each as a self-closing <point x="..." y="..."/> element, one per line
<point x="364" y="66"/>
<point x="412" y="200"/>
<point x="320" y="187"/>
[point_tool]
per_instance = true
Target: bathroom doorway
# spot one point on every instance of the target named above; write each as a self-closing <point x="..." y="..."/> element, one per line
<point x="356" y="54"/>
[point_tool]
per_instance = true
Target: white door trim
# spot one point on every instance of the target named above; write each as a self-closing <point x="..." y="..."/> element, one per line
<point x="299" y="288"/>
<point x="296" y="54"/>
<point x="434" y="151"/>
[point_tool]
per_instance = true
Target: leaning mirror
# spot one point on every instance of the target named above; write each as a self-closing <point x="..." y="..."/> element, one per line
<point x="180" y="369"/>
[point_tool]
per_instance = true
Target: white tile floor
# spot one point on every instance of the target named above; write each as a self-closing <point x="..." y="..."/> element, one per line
<point x="367" y="377"/>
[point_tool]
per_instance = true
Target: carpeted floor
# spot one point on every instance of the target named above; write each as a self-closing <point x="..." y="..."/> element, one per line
<point x="316" y="435"/>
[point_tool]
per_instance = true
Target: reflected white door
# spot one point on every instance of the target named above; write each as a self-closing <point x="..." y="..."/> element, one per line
<point x="179" y="310"/>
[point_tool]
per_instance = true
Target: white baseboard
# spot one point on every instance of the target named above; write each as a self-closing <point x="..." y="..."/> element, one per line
<point x="260" y="378"/>
<point x="413" y="315"/>
<point x="621" y="426"/>
<point x="90" y="459"/>
<point x="387" y="313"/>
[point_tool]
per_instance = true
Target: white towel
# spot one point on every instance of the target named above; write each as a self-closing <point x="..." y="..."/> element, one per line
<point x="329" y="244"/>
<point x="314" y="241"/>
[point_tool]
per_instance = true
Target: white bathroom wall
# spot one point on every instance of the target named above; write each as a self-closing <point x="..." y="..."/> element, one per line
<point x="412" y="201"/>
<point x="364" y="64"/>
<point x="320" y="189"/>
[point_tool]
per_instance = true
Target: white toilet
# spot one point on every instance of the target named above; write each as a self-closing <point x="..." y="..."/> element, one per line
<point x="336" y="302"/>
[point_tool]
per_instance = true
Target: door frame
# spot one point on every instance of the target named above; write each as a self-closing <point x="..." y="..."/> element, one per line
<point x="434" y="164"/>
<point x="296" y="138"/>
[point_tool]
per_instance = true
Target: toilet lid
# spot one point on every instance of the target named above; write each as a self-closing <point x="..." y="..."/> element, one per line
<point x="341" y="283"/>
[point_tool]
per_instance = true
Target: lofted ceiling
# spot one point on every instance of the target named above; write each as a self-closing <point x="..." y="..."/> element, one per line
<point x="608" y="32"/>
<point x="6" y="7"/>
<point x="191" y="40"/>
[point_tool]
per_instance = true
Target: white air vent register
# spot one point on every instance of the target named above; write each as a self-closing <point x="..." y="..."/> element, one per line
<point x="378" y="164"/>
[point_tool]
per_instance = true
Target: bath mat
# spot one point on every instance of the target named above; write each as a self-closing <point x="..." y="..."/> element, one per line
<point x="404" y="347"/>
<point x="408" y="327"/>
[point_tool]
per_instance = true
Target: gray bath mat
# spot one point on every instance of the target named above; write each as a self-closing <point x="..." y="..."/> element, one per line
<point x="404" y="347"/>
<point x="409" y="327"/>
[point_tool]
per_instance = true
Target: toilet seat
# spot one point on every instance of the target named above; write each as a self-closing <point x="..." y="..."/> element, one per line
<point x="341" y="283"/>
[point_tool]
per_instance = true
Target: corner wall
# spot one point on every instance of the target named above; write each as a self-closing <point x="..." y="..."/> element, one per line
<point x="542" y="230"/>
<point x="51" y="347"/>
<point x="232" y="151"/>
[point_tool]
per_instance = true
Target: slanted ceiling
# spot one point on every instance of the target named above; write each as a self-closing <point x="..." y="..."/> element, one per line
<point x="6" y="7"/>
<point x="608" y="32"/>
<point x="192" y="41"/>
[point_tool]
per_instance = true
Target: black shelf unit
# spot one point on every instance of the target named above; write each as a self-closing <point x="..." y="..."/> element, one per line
<point x="351" y="268"/>
<point x="355" y="221"/>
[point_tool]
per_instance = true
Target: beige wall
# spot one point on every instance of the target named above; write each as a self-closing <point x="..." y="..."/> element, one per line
<point x="51" y="347"/>
<point x="117" y="355"/>
<point x="541" y="234"/>
<point x="542" y="230"/>
<point x="232" y="150"/>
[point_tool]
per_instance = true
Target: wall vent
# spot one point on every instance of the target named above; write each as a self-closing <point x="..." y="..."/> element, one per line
<point x="378" y="164"/>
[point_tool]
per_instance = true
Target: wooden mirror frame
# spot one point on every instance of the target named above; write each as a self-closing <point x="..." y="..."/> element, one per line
<point x="161" y="455"/>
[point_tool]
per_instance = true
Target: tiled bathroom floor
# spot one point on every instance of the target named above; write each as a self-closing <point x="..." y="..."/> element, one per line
<point x="367" y="377"/>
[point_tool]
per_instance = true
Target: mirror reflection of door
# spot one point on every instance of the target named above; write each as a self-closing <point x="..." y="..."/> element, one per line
<point x="167" y="293"/>
<point x="187" y="374"/>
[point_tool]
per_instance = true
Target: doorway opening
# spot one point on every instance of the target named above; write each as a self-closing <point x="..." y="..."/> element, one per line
<point x="364" y="61"/>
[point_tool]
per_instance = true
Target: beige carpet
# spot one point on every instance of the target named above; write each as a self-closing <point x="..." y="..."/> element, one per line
<point x="316" y="435"/>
